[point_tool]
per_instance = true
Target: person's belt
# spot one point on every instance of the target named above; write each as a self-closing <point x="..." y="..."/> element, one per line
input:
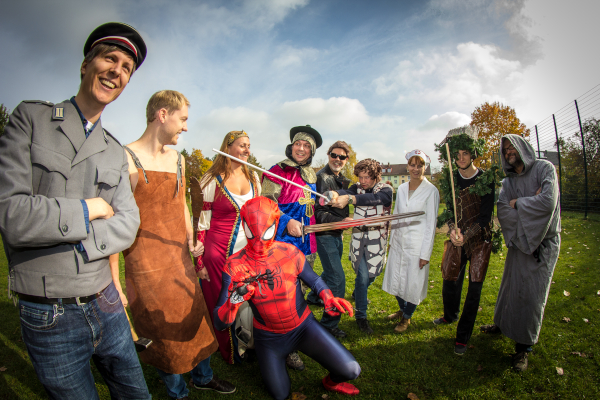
<point x="368" y="228"/>
<point x="65" y="300"/>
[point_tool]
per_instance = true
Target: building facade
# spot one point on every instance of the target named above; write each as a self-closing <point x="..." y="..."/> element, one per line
<point x="397" y="174"/>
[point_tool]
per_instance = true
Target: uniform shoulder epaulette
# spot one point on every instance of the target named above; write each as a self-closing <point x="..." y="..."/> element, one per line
<point x="47" y="103"/>
<point x="109" y="134"/>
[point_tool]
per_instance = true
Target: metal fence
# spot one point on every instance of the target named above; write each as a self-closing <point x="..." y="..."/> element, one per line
<point x="570" y="139"/>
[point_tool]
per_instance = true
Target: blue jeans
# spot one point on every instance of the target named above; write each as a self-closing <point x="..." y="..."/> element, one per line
<point x="176" y="386"/>
<point x="407" y="308"/>
<point x="330" y="249"/>
<point x="361" y="285"/>
<point x="62" y="338"/>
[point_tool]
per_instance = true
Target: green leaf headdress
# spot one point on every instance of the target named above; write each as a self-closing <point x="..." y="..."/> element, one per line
<point x="463" y="138"/>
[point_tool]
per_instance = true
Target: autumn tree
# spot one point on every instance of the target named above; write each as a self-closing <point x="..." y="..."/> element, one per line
<point x="348" y="170"/>
<point x="494" y="121"/>
<point x="252" y="160"/>
<point x="4" y="114"/>
<point x="195" y="164"/>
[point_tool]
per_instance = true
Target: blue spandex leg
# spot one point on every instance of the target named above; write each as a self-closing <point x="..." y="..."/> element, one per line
<point x="313" y="340"/>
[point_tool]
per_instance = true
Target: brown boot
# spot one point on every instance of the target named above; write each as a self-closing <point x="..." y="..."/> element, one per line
<point x="397" y="315"/>
<point x="402" y="325"/>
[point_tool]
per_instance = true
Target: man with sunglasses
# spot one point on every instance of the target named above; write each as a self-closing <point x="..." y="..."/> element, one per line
<point x="330" y="246"/>
<point x="529" y="213"/>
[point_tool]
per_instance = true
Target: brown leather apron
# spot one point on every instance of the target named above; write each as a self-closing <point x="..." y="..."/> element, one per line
<point x="164" y="295"/>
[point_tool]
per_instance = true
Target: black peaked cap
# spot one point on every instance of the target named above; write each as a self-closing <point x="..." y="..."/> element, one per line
<point x="119" y="34"/>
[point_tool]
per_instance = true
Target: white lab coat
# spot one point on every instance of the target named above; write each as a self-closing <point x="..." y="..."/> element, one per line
<point x="412" y="239"/>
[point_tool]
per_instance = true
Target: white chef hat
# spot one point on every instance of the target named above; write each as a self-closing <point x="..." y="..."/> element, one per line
<point x="419" y="153"/>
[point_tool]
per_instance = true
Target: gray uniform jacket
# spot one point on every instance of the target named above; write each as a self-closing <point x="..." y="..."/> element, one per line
<point x="46" y="167"/>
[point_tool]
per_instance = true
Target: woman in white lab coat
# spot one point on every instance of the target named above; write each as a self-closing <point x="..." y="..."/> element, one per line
<point x="411" y="242"/>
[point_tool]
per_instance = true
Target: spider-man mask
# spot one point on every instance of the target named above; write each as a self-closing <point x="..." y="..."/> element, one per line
<point x="260" y="218"/>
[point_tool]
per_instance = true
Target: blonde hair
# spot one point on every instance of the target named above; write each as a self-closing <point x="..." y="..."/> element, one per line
<point x="419" y="160"/>
<point x="222" y="165"/>
<point x="170" y="100"/>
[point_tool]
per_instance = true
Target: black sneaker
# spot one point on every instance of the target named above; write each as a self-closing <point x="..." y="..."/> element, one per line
<point x="364" y="327"/>
<point x="294" y="361"/>
<point x="492" y="329"/>
<point x="217" y="385"/>
<point x="460" y="349"/>
<point x="441" y="321"/>
<point x="337" y="332"/>
<point x="519" y="361"/>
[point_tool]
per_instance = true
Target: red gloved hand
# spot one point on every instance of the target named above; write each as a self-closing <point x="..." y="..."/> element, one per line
<point x="239" y="290"/>
<point x="335" y="305"/>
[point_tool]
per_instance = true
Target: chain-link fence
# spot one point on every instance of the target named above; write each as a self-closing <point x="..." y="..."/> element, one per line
<point x="570" y="139"/>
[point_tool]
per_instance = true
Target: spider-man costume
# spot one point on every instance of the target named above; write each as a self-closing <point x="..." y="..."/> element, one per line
<point x="266" y="273"/>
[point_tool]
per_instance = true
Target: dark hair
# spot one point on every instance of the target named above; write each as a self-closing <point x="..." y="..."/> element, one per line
<point x="340" y="144"/>
<point x="103" y="49"/>
<point x="370" y="166"/>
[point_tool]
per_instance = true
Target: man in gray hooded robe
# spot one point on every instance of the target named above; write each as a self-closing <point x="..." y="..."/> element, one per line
<point x="529" y="214"/>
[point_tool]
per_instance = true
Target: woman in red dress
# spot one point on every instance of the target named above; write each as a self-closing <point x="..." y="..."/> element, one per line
<point x="226" y="186"/>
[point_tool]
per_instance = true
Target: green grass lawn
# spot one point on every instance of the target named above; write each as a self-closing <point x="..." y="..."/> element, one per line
<point x="422" y="360"/>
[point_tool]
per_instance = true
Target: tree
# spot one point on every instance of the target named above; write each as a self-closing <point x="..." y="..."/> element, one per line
<point x="348" y="170"/>
<point x="4" y="114"/>
<point x="494" y="121"/>
<point x="573" y="172"/>
<point x="252" y="160"/>
<point x="195" y="165"/>
<point x="317" y="165"/>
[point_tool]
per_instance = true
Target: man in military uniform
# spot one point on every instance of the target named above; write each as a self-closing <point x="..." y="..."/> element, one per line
<point x="65" y="206"/>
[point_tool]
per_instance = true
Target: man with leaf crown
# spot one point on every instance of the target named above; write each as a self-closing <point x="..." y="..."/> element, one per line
<point x="471" y="231"/>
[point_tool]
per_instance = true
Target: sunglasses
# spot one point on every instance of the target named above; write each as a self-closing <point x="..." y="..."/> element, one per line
<point x="341" y="157"/>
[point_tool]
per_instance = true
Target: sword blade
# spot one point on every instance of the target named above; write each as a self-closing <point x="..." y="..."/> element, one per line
<point x="264" y="171"/>
<point x="359" y="222"/>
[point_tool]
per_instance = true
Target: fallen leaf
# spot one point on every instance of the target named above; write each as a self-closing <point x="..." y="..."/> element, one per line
<point x="412" y="396"/>
<point x="431" y="287"/>
<point x="585" y="320"/>
<point x="480" y="309"/>
<point x="479" y="368"/>
<point x="570" y="266"/>
<point x="471" y="346"/>
<point x="560" y="371"/>
<point x="566" y="319"/>
<point x="553" y="282"/>
<point x="325" y="397"/>
<point x="2" y="369"/>
<point x="298" y="396"/>
<point x="567" y="294"/>
<point x="497" y="278"/>
<point x="572" y="273"/>
<point x="431" y="281"/>
<point x="576" y="353"/>
<point x="598" y="293"/>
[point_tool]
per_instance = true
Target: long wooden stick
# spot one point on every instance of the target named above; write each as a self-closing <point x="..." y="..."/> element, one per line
<point x="452" y="184"/>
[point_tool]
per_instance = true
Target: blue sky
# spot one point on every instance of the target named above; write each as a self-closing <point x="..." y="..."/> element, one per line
<point x="386" y="76"/>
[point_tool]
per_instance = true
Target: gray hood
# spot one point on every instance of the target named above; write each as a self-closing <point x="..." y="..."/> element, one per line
<point x="524" y="149"/>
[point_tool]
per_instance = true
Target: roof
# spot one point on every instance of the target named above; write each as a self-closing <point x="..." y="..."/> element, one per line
<point x="399" y="169"/>
<point x="551" y="156"/>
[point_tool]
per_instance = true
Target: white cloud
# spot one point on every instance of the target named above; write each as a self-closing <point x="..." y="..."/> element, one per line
<point x="292" y="57"/>
<point x="337" y="118"/>
<point x="462" y="79"/>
